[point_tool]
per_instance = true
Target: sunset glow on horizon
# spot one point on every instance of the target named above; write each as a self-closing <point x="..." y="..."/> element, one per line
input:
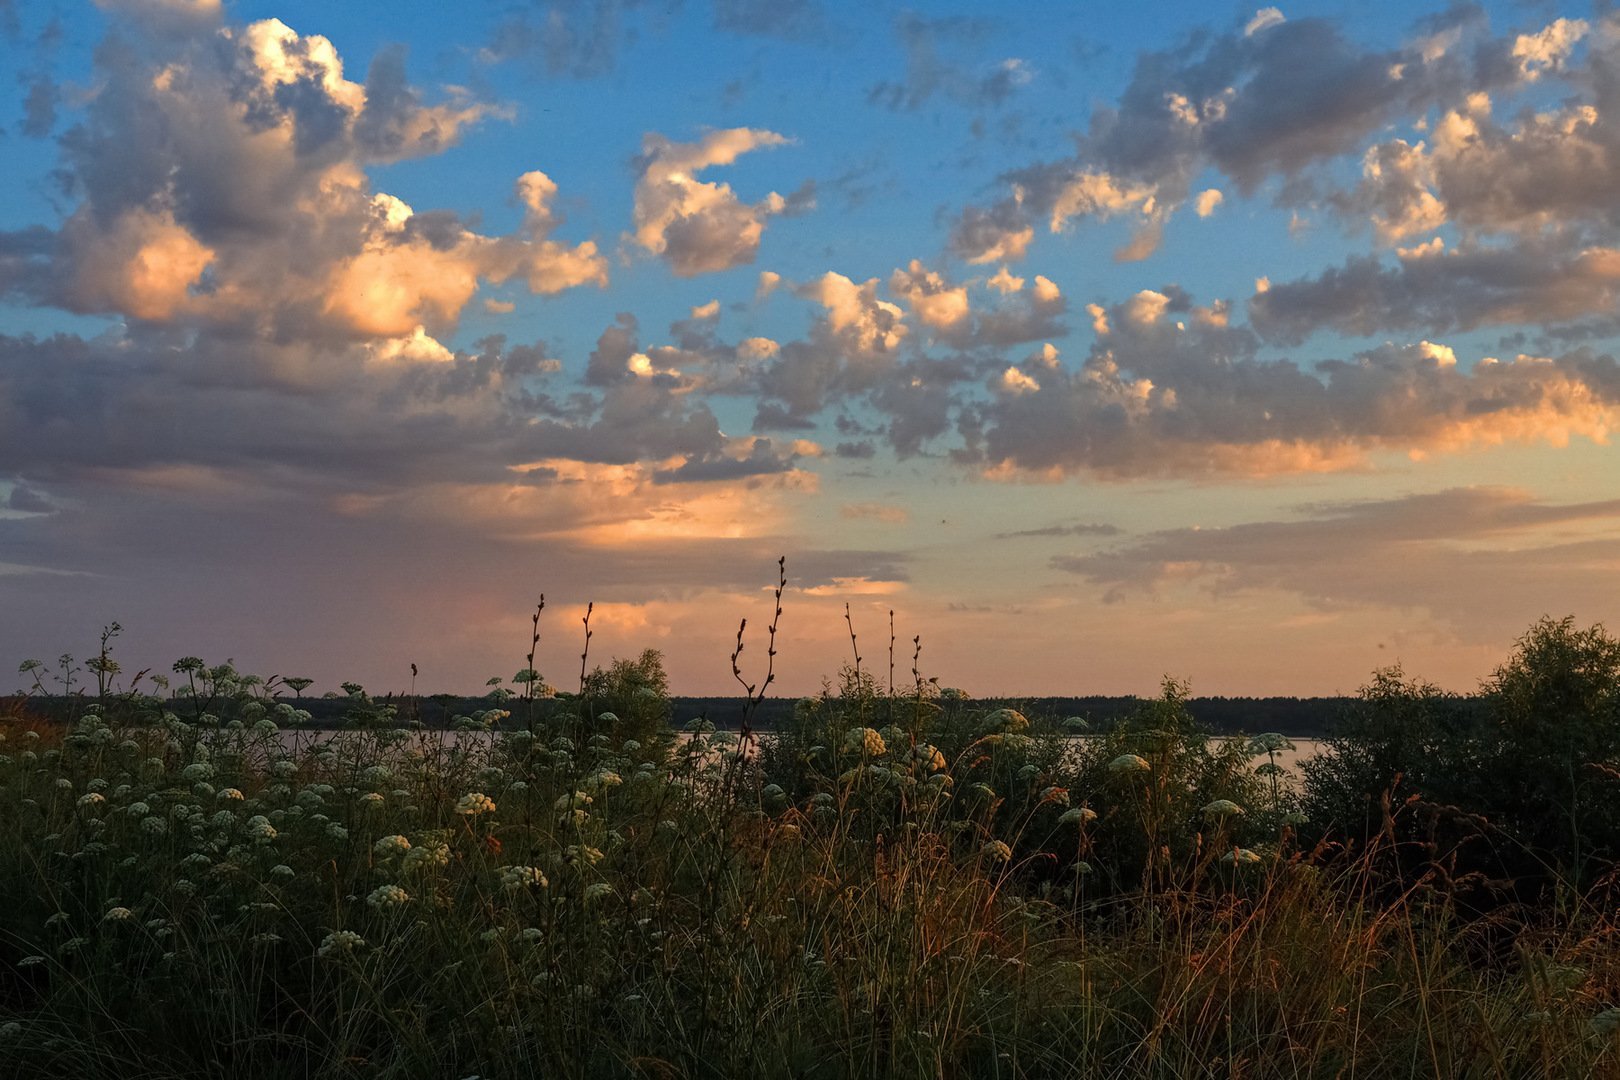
<point x="1254" y="347"/>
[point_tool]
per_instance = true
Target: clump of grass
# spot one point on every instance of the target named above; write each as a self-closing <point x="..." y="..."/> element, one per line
<point x="898" y="884"/>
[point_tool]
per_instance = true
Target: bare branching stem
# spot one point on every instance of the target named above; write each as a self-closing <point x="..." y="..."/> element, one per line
<point x="586" y="652"/>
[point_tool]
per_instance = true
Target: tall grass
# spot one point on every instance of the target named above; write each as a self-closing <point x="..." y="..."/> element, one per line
<point x="898" y="885"/>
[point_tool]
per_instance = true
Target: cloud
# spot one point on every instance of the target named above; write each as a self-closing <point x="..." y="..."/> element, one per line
<point x="579" y="39"/>
<point x="1084" y="529"/>
<point x="1434" y="291"/>
<point x="1170" y="388"/>
<point x="697" y="226"/>
<point x="942" y="61"/>
<point x="1422" y="551"/>
<point x="792" y="20"/>
<point x="1547" y="49"/>
<point x="874" y="511"/>
<point x="1020" y="311"/>
<point x="1271" y="99"/>
<point x="220" y="187"/>
<point x="25" y="500"/>
<point x="1263" y="18"/>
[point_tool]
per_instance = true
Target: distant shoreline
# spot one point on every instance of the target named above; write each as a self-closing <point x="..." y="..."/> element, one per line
<point x="1305" y="718"/>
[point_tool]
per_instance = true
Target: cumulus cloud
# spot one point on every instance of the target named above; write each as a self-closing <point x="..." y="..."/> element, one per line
<point x="1272" y="98"/>
<point x="220" y="183"/>
<point x="1432" y="290"/>
<point x="700" y="226"/>
<point x="1170" y="388"/>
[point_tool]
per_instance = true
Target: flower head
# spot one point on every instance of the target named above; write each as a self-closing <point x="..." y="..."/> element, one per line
<point x="1129" y="764"/>
<point x="1079" y="815"/>
<point x="1223" y="808"/>
<point x="516" y="878"/>
<point x="996" y="851"/>
<point x="341" y="941"/>
<point x="390" y="846"/>
<point x="1240" y="857"/>
<point x="474" y="803"/>
<point x="388" y="898"/>
<point x="864" y="741"/>
<point x="425" y="856"/>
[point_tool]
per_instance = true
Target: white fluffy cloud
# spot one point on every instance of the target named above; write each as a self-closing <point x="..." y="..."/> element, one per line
<point x="700" y="226"/>
<point x="222" y="185"/>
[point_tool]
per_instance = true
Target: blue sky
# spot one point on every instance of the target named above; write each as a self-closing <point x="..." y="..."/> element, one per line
<point x="1098" y="342"/>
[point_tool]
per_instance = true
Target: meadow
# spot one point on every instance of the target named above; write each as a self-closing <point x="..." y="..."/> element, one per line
<point x="896" y="884"/>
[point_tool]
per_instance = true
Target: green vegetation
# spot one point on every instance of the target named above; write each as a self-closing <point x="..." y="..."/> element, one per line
<point x="895" y="884"/>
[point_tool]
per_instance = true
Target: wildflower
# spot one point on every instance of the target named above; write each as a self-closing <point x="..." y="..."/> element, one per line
<point x="341" y="941"/>
<point x="1222" y="808"/>
<point x="94" y="798"/>
<point x="582" y="853"/>
<point x="1240" y="857"/>
<point x="474" y="803"/>
<point x="390" y="846"/>
<point x="605" y="779"/>
<point x="196" y="771"/>
<point x="154" y="825"/>
<point x="265" y="939"/>
<point x="598" y="892"/>
<point x="575" y="801"/>
<point x="981" y="791"/>
<point x="138" y="809"/>
<point x="1006" y="720"/>
<point x="864" y="741"/>
<point x="1269" y="742"/>
<point x="11" y="1029"/>
<point x="522" y="877"/>
<point x="1607" y="1022"/>
<point x="259" y="827"/>
<point x="31" y="961"/>
<point x="282" y="872"/>
<point x="788" y="833"/>
<point x="1080" y="868"/>
<point x="229" y="794"/>
<point x="1079" y="815"/>
<point x="370" y="801"/>
<point x="432" y="853"/>
<point x="700" y="726"/>
<point x="337" y="832"/>
<point x="118" y="914"/>
<point x="58" y="919"/>
<point x="1055" y="794"/>
<point x="996" y="851"/>
<point x="1127" y="764"/>
<point x="929" y="757"/>
<point x="388" y="898"/>
<point x="64" y="784"/>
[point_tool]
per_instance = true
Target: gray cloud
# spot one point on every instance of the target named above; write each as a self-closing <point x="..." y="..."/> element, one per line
<point x="1269" y="103"/>
<point x="1539" y="283"/>
<point x="1085" y="529"/>
<point x="579" y="39"/>
<point x="944" y="58"/>
<point x="792" y="20"/>
<point x="1426" y="551"/>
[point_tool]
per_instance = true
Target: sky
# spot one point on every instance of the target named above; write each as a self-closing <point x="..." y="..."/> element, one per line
<point x="1257" y="347"/>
